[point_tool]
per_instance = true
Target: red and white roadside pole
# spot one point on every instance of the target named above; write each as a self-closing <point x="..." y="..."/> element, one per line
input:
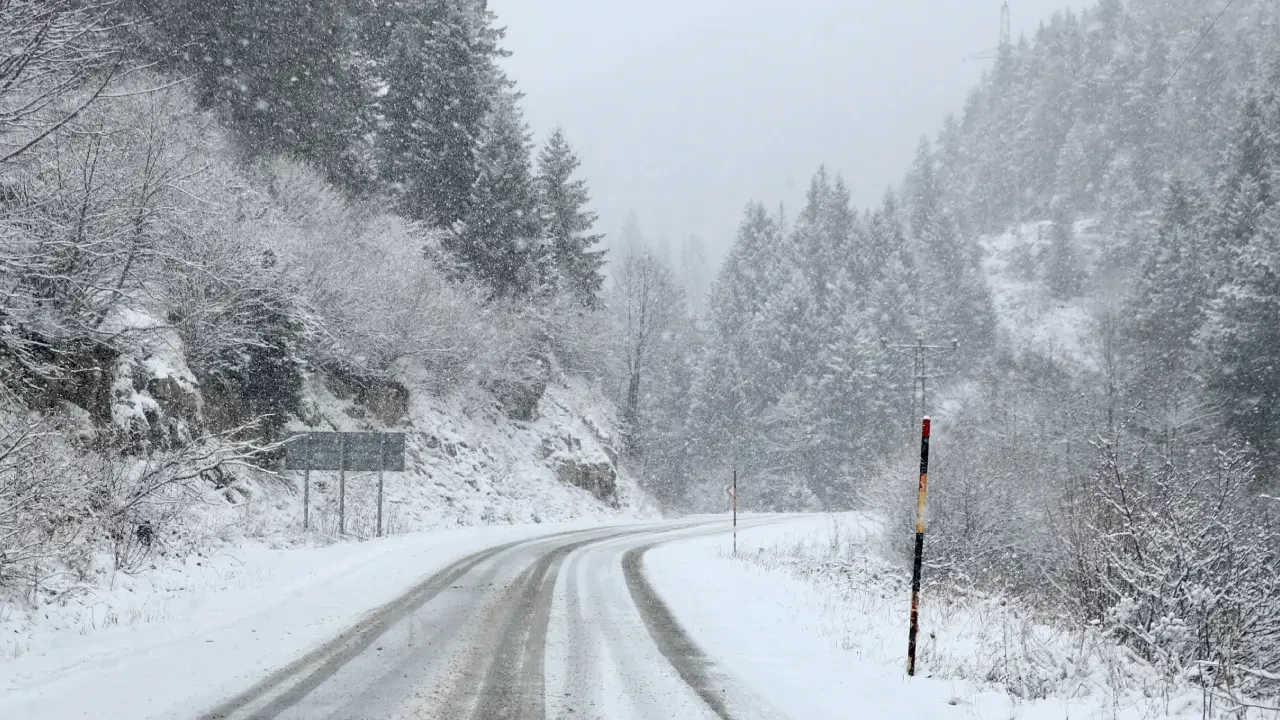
<point x="919" y="554"/>
<point x="735" y="513"/>
<point x="732" y="492"/>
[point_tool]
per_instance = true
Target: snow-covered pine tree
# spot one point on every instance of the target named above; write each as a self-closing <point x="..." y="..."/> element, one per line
<point x="439" y="83"/>
<point x="954" y="302"/>
<point x="500" y="240"/>
<point x="1062" y="266"/>
<point x="567" y="222"/>
<point x="1241" y="331"/>
<point x="732" y="388"/>
<point x="1171" y="294"/>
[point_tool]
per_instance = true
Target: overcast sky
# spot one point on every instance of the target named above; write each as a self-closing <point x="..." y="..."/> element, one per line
<point x="683" y="110"/>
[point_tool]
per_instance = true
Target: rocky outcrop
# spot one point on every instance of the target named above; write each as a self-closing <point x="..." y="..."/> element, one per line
<point x="155" y="402"/>
<point x="519" y="395"/>
<point x="598" y="478"/>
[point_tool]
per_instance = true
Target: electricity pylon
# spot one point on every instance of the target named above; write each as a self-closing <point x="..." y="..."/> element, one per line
<point x="1006" y="37"/>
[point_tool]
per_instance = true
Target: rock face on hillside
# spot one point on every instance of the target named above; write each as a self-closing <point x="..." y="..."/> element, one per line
<point x="155" y="399"/>
<point x="593" y="470"/>
<point x="519" y="395"/>
<point x="598" y="478"/>
<point x="534" y="450"/>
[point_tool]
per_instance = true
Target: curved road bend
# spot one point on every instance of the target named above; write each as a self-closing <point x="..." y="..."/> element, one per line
<point x="560" y="627"/>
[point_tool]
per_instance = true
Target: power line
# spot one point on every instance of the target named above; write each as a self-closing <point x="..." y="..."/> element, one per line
<point x="1169" y="81"/>
<point x="1203" y="36"/>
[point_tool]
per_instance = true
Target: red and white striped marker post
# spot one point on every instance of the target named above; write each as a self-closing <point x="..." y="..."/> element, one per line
<point x="732" y="492"/>
<point x="919" y="554"/>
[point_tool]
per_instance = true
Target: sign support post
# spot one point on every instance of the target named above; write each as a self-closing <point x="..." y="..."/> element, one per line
<point x="306" y="490"/>
<point x="342" y="486"/>
<point x="341" y="452"/>
<point x="735" y="512"/>
<point x="918" y="561"/>
<point x="382" y="463"/>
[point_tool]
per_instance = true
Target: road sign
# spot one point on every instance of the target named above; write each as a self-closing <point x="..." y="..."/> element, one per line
<point x="356" y="452"/>
<point x="375" y="451"/>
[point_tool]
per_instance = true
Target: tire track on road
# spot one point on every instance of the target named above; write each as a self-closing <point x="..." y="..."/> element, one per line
<point x="285" y="687"/>
<point x="515" y="685"/>
<point x="723" y="695"/>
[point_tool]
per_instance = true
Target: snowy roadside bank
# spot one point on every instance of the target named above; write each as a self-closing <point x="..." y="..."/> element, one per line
<point x="169" y="642"/>
<point x="810" y="620"/>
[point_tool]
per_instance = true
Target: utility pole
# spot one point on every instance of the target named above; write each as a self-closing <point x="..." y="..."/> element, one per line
<point x="920" y="355"/>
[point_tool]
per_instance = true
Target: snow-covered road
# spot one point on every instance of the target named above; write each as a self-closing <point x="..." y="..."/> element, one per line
<point x="503" y="623"/>
<point x="563" y="626"/>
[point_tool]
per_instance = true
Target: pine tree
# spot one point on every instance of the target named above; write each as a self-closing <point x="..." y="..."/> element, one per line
<point x="567" y="222"/>
<point x="666" y="434"/>
<point x="1168" y="308"/>
<point x="500" y="241"/>
<point x="1075" y="174"/>
<point x="733" y="386"/>
<point x="1062" y="268"/>
<point x="1244" y="339"/>
<point x="439" y="85"/>
<point x="1247" y="191"/>
<point x="954" y="301"/>
<point x="1241" y="332"/>
<point x="280" y="72"/>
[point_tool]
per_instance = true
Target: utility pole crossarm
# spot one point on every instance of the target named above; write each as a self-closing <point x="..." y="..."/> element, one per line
<point x="919" y="375"/>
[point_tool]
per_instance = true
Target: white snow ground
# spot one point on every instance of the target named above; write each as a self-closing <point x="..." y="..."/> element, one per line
<point x="1028" y="315"/>
<point x="811" y="622"/>
<point x="804" y="617"/>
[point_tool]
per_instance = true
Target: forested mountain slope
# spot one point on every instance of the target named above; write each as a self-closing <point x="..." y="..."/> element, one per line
<point x="1099" y="229"/>
<point x="221" y="223"/>
<point x="1098" y="110"/>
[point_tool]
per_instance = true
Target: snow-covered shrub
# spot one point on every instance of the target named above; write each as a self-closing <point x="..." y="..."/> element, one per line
<point x="42" y="505"/>
<point x="138" y="501"/>
<point x="1044" y="490"/>
<point x="995" y="472"/>
<point x="1177" y="559"/>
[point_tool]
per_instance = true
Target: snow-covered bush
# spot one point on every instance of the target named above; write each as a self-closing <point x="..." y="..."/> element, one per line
<point x="1042" y="489"/>
<point x="1176" y="559"/>
<point x="42" y="507"/>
